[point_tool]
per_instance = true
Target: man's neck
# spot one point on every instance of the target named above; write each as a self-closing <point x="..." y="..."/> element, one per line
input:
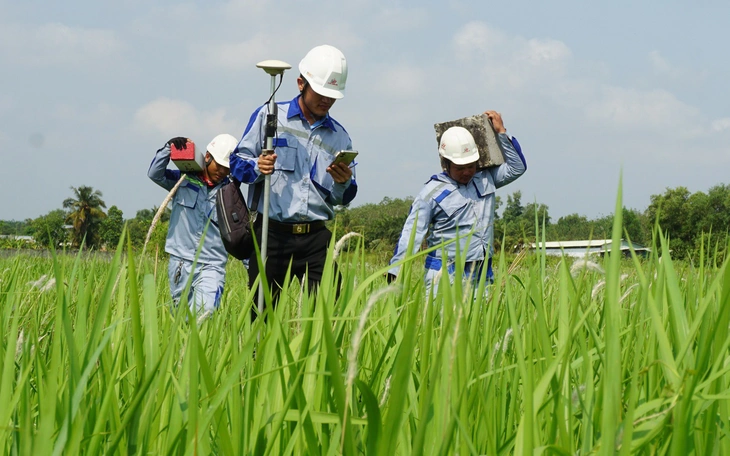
<point x="311" y="118"/>
<point x="206" y="179"/>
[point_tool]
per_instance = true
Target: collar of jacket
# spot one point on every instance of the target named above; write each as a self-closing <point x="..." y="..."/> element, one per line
<point x="477" y="181"/>
<point x="200" y="181"/>
<point x="295" y="110"/>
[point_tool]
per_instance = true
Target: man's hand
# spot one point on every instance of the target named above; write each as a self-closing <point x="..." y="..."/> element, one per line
<point x="340" y="172"/>
<point x="497" y="122"/>
<point x="179" y="142"/>
<point x="266" y="162"/>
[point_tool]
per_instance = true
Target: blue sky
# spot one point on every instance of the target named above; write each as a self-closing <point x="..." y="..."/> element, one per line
<point x="91" y="89"/>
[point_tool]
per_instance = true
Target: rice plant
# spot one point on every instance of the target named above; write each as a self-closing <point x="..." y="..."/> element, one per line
<point x="543" y="361"/>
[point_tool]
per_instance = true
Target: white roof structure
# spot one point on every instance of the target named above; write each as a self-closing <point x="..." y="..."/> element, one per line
<point x="17" y="237"/>
<point x="589" y="247"/>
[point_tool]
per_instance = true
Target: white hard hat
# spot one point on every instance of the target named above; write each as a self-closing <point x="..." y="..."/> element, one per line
<point x="458" y="146"/>
<point x="325" y="69"/>
<point x="221" y="147"/>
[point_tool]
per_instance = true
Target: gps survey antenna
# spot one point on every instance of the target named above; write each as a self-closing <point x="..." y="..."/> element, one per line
<point x="273" y="68"/>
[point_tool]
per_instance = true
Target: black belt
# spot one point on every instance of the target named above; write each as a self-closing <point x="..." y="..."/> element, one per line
<point x="296" y="228"/>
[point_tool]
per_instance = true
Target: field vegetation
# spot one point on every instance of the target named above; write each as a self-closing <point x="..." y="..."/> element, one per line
<point x="620" y="355"/>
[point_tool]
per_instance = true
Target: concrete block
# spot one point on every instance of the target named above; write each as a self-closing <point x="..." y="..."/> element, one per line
<point x="480" y="127"/>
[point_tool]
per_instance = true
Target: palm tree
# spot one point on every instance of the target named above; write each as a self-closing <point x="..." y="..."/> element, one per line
<point x="85" y="215"/>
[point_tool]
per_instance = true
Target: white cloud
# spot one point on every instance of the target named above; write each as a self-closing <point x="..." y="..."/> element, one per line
<point x="544" y="69"/>
<point x="244" y="9"/>
<point x="476" y="39"/>
<point x="721" y="124"/>
<point x="175" y="117"/>
<point x="230" y="55"/>
<point x="665" y="69"/>
<point x="399" y="19"/>
<point x="537" y="52"/>
<point x="636" y="109"/>
<point x="480" y="43"/>
<point x="286" y="45"/>
<point x="511" y="61"/>
<point x="400" y="81"/>
<point x="57" y="44"/>
<point x="100" y="114"/>
<point x="659" y="63"/>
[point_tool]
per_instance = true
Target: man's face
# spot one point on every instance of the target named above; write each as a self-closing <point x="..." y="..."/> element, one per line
<point x="462" y="173"/>
<point x="216" y="172"/>
<point x="314" y="104"/>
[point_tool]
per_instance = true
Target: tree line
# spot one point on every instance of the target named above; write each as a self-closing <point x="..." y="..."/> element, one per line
<point x="687" y="219"/>
<point x="82" y="220"/>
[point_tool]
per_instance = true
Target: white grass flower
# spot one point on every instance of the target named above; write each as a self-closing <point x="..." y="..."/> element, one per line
<point x="578" y="265"/>
<point x="357" y="336"/>
<point x="575" y="395"/>
<point x="298" y="325"/>
<point x="38" y="283"/>
<point x="452" y="358"/>
<point x="19" y="346"/>
<point x="516" y="262"/>
<point x="341" y="242"/>
<point x="386" y="391"/>
<point x="204" y="316"/>
<point x="49" y="285"/>
<point x="627" y="292"/>
<point x="596" y="288"/>
<point x="502" y="345"/>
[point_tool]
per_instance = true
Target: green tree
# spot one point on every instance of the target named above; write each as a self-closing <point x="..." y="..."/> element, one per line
<point x="497" y="205"/>
<point x="513" y="210"/>
<point x="571" y="227"/>
<point x="49" y="230"/>
<point x="527" y="219"/>
<point x="110" y="228"/>
<point x="517" y="225"/>
<point x="16" y="228"/>
<point x="85" y="215"/>
<point x="380" y="224"/>
<point x="634" y="226"/>
<point x="717" y="211"/>
<point x="709" y="214"/>
<point x="138" y="227"/>
<point x="672" y="211"/>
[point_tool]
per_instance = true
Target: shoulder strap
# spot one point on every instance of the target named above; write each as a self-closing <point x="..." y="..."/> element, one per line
<point x="256" y="193"/>
<point x="256" y="196"/>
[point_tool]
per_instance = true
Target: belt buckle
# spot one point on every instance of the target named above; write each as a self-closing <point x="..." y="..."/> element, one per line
<point x="300" y="228"/>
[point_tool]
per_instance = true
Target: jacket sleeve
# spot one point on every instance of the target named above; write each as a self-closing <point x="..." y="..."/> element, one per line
<point x="514" y="162"/>
<point x="158" y="172"/>
<point x="244" y="159"/>
<point x="419" y="219"/>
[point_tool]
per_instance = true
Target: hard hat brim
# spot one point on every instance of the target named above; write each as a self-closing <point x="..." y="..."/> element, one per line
<point x="325" y="92"/>
<point x="227" y="163"/>
<point x="474" y="157"/>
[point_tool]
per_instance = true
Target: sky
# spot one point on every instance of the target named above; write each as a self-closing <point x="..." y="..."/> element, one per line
<point x="595" y="93"/>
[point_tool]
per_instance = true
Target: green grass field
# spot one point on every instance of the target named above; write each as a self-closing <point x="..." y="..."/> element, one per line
<point x="554" y="359"/>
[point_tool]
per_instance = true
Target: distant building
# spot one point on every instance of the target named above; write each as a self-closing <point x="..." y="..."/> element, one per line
<point x="18" y="238"/>
<point x="593" y="247"/>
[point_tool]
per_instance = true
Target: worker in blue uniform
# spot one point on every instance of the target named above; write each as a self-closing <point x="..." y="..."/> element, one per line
<point x="459" y="204"/>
